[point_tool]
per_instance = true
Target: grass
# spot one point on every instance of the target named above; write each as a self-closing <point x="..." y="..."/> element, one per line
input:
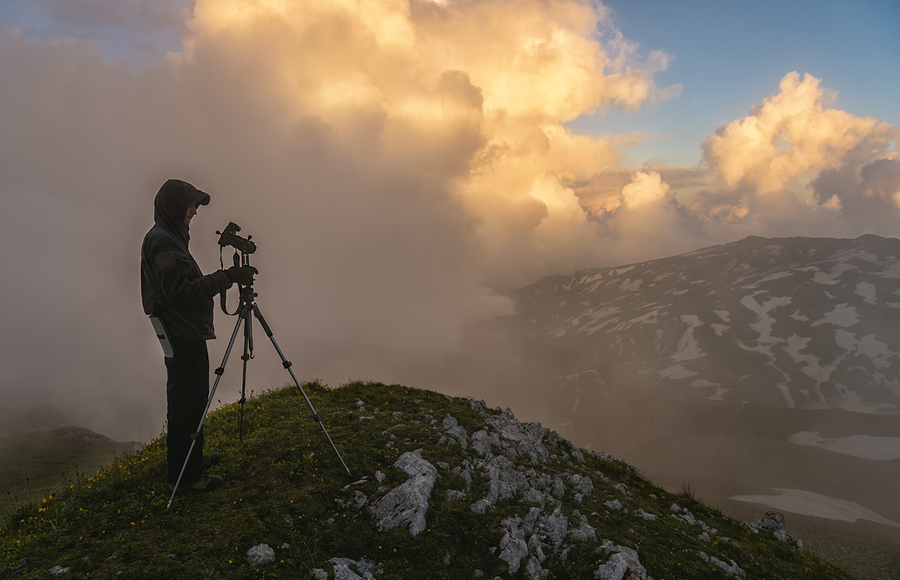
<point x="286" y="488"/>
<point x="32" y="466"/>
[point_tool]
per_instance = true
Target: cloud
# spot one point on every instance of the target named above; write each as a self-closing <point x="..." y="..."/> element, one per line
<point x="398" y="163"/>
<point x="865" y="188"/>
<point x="644" y="188"/>
<point x="791" y="134"/>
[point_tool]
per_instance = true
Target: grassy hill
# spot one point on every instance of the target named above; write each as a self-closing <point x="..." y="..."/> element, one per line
<point x="33" y="465"/>
<point x="285" y="487"/>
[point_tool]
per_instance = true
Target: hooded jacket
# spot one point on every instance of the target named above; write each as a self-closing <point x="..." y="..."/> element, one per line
<point x="172" y="285"/>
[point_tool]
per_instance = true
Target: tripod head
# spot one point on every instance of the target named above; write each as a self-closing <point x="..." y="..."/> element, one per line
<point x="229" y="237"/>
<point x="244" y="247"/>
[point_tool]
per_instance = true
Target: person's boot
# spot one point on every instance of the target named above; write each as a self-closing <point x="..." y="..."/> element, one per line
<point x="207" y="483"/>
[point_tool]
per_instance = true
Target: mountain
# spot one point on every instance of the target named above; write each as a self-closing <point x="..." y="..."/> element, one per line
<point x="442" y="487"/>
<point x="797" y="323"/>
<point x="761" y="372"/>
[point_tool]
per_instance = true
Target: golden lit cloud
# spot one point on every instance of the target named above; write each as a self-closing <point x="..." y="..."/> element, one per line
<point x="644" y="188"/>
<point x="790" y="134"/>
<point x="473" y="93"/>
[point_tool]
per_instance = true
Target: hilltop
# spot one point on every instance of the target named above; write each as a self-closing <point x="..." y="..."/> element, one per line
<point x="442" y="487"/>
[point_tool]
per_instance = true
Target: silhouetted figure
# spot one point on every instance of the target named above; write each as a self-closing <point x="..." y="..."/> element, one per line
<point x="175" y="291"/>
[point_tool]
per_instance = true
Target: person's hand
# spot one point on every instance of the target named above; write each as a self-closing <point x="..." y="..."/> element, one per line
<point x="242" y="275"/>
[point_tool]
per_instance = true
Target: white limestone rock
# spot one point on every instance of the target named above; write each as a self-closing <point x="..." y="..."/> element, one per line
<point x="407" y="503"/>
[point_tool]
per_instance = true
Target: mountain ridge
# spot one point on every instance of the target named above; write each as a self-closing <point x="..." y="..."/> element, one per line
<point x="809" y="322"/>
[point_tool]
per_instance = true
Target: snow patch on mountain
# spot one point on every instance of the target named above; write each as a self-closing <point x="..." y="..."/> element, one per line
<point x="808" y="503"/>
<point x="864" y="446"/>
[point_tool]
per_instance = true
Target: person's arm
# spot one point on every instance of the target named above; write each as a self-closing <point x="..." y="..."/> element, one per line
<point x="172" y="269"/>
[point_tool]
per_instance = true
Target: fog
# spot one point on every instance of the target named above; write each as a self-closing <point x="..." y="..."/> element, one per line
<point x="400" y="165"/>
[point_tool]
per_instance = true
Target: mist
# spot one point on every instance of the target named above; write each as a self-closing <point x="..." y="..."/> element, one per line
<point x="401" y="166"/>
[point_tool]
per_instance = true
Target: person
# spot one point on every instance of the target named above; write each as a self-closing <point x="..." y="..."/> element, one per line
<point x="174" y="290"/>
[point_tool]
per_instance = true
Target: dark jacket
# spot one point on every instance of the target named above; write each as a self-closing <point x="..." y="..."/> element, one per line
<point x="172" y="286"/>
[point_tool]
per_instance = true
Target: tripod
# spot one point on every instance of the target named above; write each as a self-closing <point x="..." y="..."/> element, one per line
<point x="245" y="309"/>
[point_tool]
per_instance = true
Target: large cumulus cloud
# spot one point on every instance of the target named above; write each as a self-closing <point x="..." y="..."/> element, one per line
<point x="399" y="163"/>
<point x="795" y="165"/>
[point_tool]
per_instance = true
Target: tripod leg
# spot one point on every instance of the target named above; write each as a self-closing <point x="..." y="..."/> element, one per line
<point x="287" y="365"/>
<point x="248" y="346"/>
<point x="219" y="372"/>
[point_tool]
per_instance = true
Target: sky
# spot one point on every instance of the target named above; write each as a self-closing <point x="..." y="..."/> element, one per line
<point x="402" y="164"/>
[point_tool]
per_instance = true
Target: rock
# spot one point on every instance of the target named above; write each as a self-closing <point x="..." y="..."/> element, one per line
<point x="520" y="439"/>
<point x="646" y="516"/>
<point x="505" y="482"/>
<point x="559" y="488"/>
<point x="553" y="527"/>
<point x="788" y="539"/>
<point x="531" y="519"/>
<point x="482" y="442"/>
<point x="457" y="432"/>
<point x="343" y="569"/>
<point x="772" y="521"/>
<point x="583" y="533"/>
<point x="261" y="554"/>
<point x="534" y="496"/>
<point x="536" y="547"/>
<point x="320" y="574"/>
<point x="582" y="484"/>
<point x="622" y="565"/>
<point x="407" y="503"/>
<point x="613" y="505"/>
<point x="533" y="570"/>
<point x="512" y="550"/>
<point x="454" y="495"/>
<point x="731" y="569"/>
<point x="57" y="570"/>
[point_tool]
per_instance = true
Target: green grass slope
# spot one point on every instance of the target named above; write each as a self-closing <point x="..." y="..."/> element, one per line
<point x="33" y="465"/>
<point x="285" y="487"/>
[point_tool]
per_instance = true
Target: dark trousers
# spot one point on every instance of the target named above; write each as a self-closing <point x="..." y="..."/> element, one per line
<point x="187" y="389"/>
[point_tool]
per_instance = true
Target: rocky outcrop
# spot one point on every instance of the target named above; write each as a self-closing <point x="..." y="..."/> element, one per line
<point x="773" y="522"/>
<point x="407" y="503"/>
<point x="533" y="468"/>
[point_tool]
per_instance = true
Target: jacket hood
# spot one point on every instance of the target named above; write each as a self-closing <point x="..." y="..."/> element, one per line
<point x="171" y="204"/>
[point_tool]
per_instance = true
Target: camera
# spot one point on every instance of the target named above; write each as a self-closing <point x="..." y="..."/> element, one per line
<point x="230" y="238"/>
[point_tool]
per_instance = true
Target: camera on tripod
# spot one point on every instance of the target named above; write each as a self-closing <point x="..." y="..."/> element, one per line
<point x="246" y="311"/>
<point x="230" y="238"/>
